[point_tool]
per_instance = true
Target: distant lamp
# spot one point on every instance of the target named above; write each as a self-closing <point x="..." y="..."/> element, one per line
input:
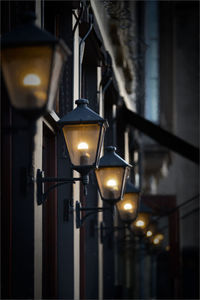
<point x="84" y="132"/>
<point x="151" y="230"/>
<point x="157" y="239"/>
<point x="142" y="221"/>
<point x="149" y="233"/>
<point x="111" y="176"/>
<point x="32" y="60"/>
<point x="128" y="206"/>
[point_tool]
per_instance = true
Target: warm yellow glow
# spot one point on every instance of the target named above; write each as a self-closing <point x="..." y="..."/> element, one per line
<point x="111" y="183"/>
<point x="156" y="241"/>
<point x="140" y="223"/>
<point x="167" y="248"/>
<point x="128" y="206"/>
<point x="31" y="80"/>
<point x="160" y="236"/>
<point x="40" y="95"/>
<point x="149" y="233"/>
<point x="83" y="146"/>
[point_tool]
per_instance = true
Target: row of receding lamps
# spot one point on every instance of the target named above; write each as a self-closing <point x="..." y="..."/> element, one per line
<point x="32" y="61"/>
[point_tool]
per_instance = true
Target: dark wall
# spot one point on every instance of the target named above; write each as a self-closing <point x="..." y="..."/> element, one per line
<point x="17" y="256"/>
<point x="91" y="234"/>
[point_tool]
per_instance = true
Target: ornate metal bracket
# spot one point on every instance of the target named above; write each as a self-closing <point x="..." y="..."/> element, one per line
<point x="40" y="180"/>
<point x="103" y="228"/>
<point x="90" y="210"/>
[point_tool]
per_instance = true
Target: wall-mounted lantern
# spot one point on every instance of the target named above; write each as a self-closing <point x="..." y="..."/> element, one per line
<point x="128" y="206"/>
<point x="157" y="238"/>
<point x="142" y="221"/>
<point x="111" y="175"/>
<point x="84" y="132"/>
<point x="151" y="230"/>
<point x="32" y="60"/>
<point x="111" y="178"/>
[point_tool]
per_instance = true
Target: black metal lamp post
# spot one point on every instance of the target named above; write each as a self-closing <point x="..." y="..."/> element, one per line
<point x="32" y="60"/>
<point x="111" y="176"/>
<point x="84" y="132"/>
<point x="128" y="206"/>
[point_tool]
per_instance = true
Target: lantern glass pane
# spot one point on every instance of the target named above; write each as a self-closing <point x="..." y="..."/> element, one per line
<point x="55" y="75"/>
<point x="26" y="72"/>
<point x="128" y="207"/>
<point x="82" y="142"/>
<point x="110" y="181"/>
<point x="101" y="140"/>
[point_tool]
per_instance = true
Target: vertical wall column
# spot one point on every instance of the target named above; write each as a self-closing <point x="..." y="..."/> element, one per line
<point x="76" y="186"/>
<point x="22" y="195"/>
<point x="100" y="203"/>
<point x="37" y="164"/>
<point x="63" y="15"/>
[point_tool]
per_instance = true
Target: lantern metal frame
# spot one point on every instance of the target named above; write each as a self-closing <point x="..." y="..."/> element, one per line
<point x="111" y="160"/>
<point x="143" y="208"/>
<point x="27" y="35"/>
<point x="130" y="189"/>
<point x="81" y="115"/>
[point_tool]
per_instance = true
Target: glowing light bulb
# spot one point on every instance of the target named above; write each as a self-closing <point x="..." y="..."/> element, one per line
<point x="167" y="248"/>
<point x="149" y="233"/>
<point x="111" y="183"/>
<point x="156" y="241"/>
<point x="128" y="206"/>
<point x="31" y="80"/>
<point x="140" y="223"/>
<point x="82" y="146"/>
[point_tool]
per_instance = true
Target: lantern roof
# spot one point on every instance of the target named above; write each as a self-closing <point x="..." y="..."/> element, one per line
<point x="28" y="34"/>
<point x="112" y="159"/>
<point x="82" y="114"/>
<point x="130" y="188"/>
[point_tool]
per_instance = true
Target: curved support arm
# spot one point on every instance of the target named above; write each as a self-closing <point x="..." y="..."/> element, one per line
<point x="93" y="210"/>
<point x="45" y="194"/>
<point x="112" y="229"/>
<point x="87" y="215"/>
<point x="40" y="180"/>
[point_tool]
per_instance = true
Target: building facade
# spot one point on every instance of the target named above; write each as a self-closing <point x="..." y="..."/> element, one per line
<point x="139" y="70"/>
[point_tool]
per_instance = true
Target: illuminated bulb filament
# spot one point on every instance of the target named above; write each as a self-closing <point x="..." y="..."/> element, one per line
<point x="83" y="146"/>
<point x="111" y="183"/>
<point x="140" y="223"/>
<point x="149" y="233"/>
<point x="128" y="206"/>
<point x="31" y="80"/>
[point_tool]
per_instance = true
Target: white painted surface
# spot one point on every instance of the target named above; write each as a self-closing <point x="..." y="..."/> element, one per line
<point x="38" y="216"/>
